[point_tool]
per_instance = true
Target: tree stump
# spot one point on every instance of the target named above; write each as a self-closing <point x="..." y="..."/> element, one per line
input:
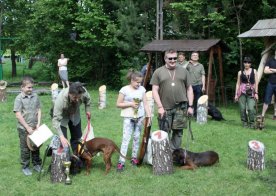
<point x="161" y="153"/>
<point x="57" y="168"/>
<point x="256" y="152"/>
<point x="3" y="92"/>
<point x="102" y="97"/>
<point x="3" y="95"/>
<point x="202" y="109"/>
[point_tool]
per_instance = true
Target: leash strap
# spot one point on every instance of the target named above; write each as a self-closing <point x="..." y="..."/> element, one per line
<point x="88" y="126"/>
<point x="190" y="134"/>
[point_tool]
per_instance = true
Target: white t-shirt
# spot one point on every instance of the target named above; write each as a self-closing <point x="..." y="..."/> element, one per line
<point x="63" y="62"/>
<point x="130" y="94"/>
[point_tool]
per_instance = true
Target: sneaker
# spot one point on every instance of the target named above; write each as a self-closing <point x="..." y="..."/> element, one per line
<point x="27" y="171"/>
<point x="274" y="117"/>
<point x="37" y="168"/>
<point x="134" y="161"/>
<point x="120" y="167"/>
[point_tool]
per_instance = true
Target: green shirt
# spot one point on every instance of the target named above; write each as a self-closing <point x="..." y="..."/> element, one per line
<point x="28" y="106"/>
<point x="196" y="72"/>
<point x="64" y="110"/>
<point x="171" y="94"/>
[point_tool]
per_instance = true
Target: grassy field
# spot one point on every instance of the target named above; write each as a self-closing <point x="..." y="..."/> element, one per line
<point x="229" y="177"/>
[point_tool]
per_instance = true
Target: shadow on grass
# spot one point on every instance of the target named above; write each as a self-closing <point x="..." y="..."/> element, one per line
<point x="270" y="178"/>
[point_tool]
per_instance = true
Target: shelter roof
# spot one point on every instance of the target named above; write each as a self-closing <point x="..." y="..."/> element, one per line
<point x="263" y="28"/>
<point x="182" y="45"/>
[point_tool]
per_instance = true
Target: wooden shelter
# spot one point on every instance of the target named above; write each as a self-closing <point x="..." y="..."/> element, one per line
<point x="212" y="46"/>
<point x="265" y="29"/>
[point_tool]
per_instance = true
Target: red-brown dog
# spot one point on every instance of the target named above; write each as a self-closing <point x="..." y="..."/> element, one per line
<point x="191" y="160"/>
<point x="91" y="148"/>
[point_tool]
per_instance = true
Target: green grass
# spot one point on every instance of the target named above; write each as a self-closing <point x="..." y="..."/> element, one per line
<point x="229" y="177"/>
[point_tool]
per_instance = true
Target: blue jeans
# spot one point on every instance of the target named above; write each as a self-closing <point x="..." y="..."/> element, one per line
<point x="75" y="132"/>
<point x="269" y="91"/>
<point x="197" y="89"/>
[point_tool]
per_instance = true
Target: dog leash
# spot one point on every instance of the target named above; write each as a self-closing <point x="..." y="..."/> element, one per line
<point x="86" y="135"/>
<point x="192" y="137"/>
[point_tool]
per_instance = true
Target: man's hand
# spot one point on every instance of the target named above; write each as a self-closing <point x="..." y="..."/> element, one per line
<point x="64" y="141"/>
<point x="161" y="112"/>
<point x="190" y="111"/>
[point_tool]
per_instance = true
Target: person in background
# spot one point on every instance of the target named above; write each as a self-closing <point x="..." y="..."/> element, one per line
<point x="62" y="70"/>
<point x="181" y="61"/>
<point x="197" y="74"/>
<point x="247" y="93"/>
<point x="173" y="93"/>
<point x="28" y="113"/>
<point x="133" y="97"/>
<point x="67" y="113"/>
<point x="270" y="69"/>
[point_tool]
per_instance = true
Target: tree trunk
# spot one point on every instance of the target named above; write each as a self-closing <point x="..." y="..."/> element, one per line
<point x="57" y="168"/>
<point x="161" y="153"/>
<point x="13" y="60"/>
<point x="255" y="159"/>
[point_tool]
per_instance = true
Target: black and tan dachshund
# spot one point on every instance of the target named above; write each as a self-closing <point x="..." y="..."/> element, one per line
<point x="190" y="160"/>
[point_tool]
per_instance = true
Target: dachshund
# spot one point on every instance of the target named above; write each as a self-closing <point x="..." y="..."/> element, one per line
<point x="89" y="149"/>
<point x="190" y="160"/>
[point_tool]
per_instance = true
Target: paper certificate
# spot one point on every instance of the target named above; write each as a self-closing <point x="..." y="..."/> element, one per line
<point x="41" y="135"/>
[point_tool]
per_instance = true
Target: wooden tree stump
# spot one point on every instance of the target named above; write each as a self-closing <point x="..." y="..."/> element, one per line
<point x="202" y="109"/>
<point x="256" y="152"/>
<point x="161" y="153"/>
<point x="57" y="168"/>
<point x="102" y="97"/>
<point x="3" y="95"/>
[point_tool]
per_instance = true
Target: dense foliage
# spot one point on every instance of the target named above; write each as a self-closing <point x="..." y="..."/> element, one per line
<point x="103" y="37"/>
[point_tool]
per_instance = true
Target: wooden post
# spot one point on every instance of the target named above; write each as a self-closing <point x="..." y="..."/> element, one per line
<point x="102" y="97"/>
<point x="210" y="64"/>
<point x="221" y="75"/>
<point x="3" y="92"/>
<point x="256" y="152"/>
<point x="161" y="153"/>
<point x="202" y="109"/>
<point x="57" y="168"/>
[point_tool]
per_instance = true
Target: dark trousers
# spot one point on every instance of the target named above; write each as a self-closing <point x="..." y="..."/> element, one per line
<point x="25" y="152"/>
<point x="75" y="132"/>
<point x="197" y="89"/>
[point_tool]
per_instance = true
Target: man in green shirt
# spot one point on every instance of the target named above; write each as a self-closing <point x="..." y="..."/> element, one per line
<point x="67" y="113"/>
<point x="173" y="94"/>
<point x="197" y="74"/>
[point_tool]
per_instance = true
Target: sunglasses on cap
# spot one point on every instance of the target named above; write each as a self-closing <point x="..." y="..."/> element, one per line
<point x="172" y="58"/>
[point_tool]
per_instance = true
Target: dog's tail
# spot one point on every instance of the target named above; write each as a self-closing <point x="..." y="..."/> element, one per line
<point x="118" y="150"/>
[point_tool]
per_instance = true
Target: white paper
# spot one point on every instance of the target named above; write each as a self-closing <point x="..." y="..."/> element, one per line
<point x="90" y="135"/>
<point x="41" y="135"/>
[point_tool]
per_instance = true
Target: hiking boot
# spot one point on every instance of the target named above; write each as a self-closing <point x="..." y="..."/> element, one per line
<point x="244" y="124"/>
<point x="134" y="161"/>
<point x="120" y="167"/>
<point x="26" y="171"/>
<point x="252" y="126"/>
<point x="37" y="168"/>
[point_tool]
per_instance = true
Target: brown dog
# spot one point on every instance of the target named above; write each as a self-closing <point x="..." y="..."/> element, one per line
<point x="91" y="148"/>
<point x="191" y="160"/>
